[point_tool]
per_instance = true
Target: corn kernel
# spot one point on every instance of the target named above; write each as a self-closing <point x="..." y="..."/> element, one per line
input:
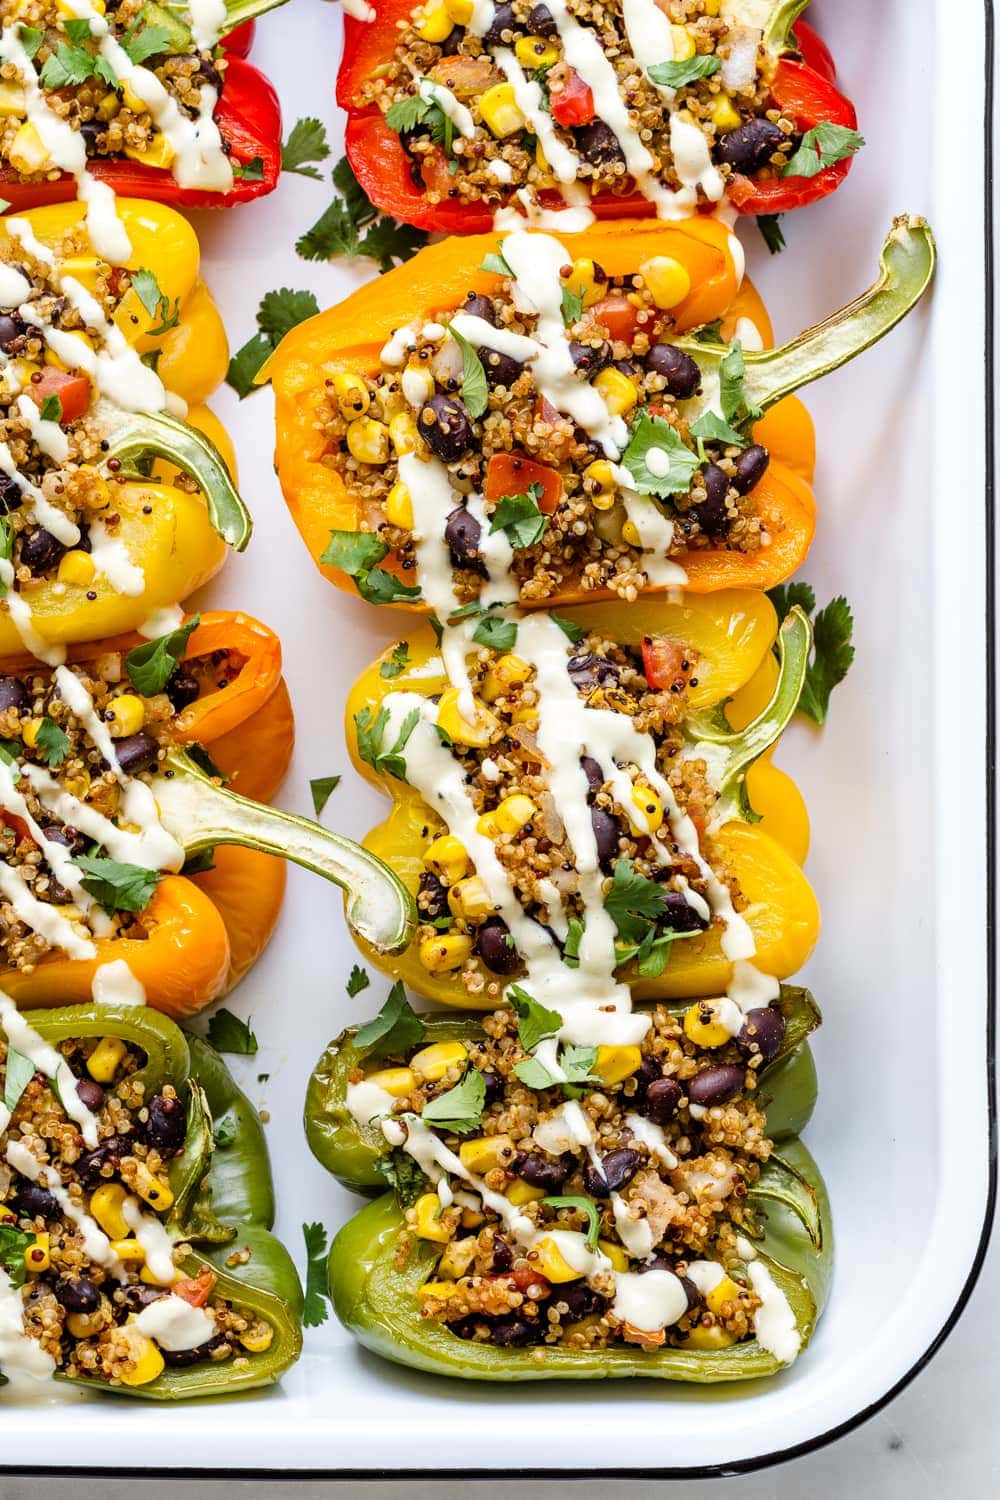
<point x="106" y="1207"/>
<point x="77" y="567"/>
<point x="7" y="1215"/>
<point x="29" y="732"/>
<point x="507" y="672"/>
<point x="257" y="1340"/>
<point x="710" y="1336"/>
<point x="433" y="1062"/>
<point x="460" y="11"/>
<point x="458" y="1257"/>
<point x="66" y="8"/>
<point x="683" y="43"/>
<point x="513" y="814"/>
<point x="434" y="23"/>
<point x="37" y="1256"/>
<point x="109" y="106"/>
<point x="12" y="100"/>
<point x="535" y="52"/>
<point x="520" y="1192"/>
<point x="150" y="1279"/>
<point x="552" y="1264"/>
<point x="470" y="900"/>
<point x="701" y="1027"/>
<point x="615" y="1063"/>
<point x="619" y="391"/>
<point x="128" y="714"/>
<point x="435" y="1292"/>
<point x="586" y="280"/>
<point x="472" y="1218"/>
<point x="368" y="441"/>
<point x="725" y="115"/>
<point x="405" y="435"/>
<point x="28" y="152"/>
<point x="102" y="1064"/>
<point x="667" y="280"/>
<point x="441" y="954"/>
<point x="159" y="152"/>
<point x="724" y="1291"/>
<point x="604" y="499"/>
<point x="352" y="394"/>
<point x="485" y="1153"/>
<point x="616" y="1255"/>
<point x="147" y="1361"/>
<point x="650" y="805"/>
<point x="396" y="1081"/>
<point x="428" y="1225"/>
<point x="450" y="719"/>
<point x="131" y="99"/>
<point x="155" y="1190"/>
<point x="447" y="858"/>
<point x="499" y="111"/>
<point x="601" y="474"/>
<point x="129" y="1252"/>
<point x="630" y="534"/>
<point x="84" y="1325"/>
<point x="399" y="507"/>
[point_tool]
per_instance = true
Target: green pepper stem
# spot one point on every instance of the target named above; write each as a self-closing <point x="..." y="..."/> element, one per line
<point x="238" y="11"/>
<point x="136" y="439"/>
<point x="201" y="814"/>
<point x="743" y="746"/>
<point x="778" y="31"/>
<point x="906" y="267"/>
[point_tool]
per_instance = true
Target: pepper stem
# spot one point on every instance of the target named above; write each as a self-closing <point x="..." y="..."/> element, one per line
<point x="201" y="814"/>
<point x="906" y="267"/>
<point x="778" y="31"/>
<point x="238" y="11"/>
<point x="742" y="747"/>
<point x="136" y="440"/>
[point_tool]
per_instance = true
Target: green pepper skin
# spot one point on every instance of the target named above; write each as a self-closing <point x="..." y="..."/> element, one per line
<point x="224" y="1198"/>
<point x="376" y="1301"/>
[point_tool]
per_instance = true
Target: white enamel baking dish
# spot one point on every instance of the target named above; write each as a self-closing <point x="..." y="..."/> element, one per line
<point x="898" y="785"/>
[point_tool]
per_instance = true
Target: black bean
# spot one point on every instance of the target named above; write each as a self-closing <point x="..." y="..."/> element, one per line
<point x="478" y="306"/>
<point x="581" y="1300"/>
<point x="494" y="1087"/>
<point x="11" y="494"/>
<point x="598" y="144"/>
<point x="542" y="22"/>
<point x="647" y="1072"/>
<point x="136" y="752"/>
<point x="498" y="368"/>
<point x="89" y="1093"/>
<point x="763" y="1031"/>
<point x="751" y="146"/>
<point x="207" y="73"/>
<point x="90" y="130"/>
<point x="541" y="1171"/>
<point x="78" y="1294"/>
<point x="503" y="20"/>
<point x="462" y="532"/>
<point x="11" y="329"/>
<point x="678" y="369"/>
<point x="587" y="671"/>
<point x="433" y="902"/>
<point x="179" y="1358"/>
<point x="711" y="512"/>
<point x="503" y="1255"/>
<point x="607" y="832"/>
<point x="31" y="1199"/>
<point x="495" y="946"/>
<point x="593" y="773"/>
<point x="70" y="838"/>
<point x="166" y="1126"/>
<point x="510" y="1332"/>
<point x="137" y="1296"/>
<point x="182" y="689"/>
<point x="751" y="466"/>
<point x="14" y="694"/>
<point x="109" y="1153"/>
<point x="679" y="915"/>
<point x="591" y="359"/>
<point x="617" y="1168"/>
<point x="445" y="427"/>
<point x="630" y="367"/>
<point x="452" y="41"/>
<point x="716" y="1084"/>
<point x="663" y="1099"/>
<point x="40" y="550"/>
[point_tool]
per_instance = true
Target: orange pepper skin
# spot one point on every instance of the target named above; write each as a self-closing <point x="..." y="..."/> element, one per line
<point x="247" y="888"/>
<point x="348" y="337"/>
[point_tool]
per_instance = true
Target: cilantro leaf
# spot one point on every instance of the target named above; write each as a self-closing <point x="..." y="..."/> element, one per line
<point x="320" y="788"/>
<point x="31" y="38"/>
<point x="495" y="264"/>
<point x="78" y="30"/>
<point x="786" y="595"/>
<point x="572" y="307"/>
<point x="307" y="143"/>
<point x="570" y="629"/>
<point x="571" y="945"/>
<point x="658" y="459"/>
<point x="371" y="733"/>
<point x="357" y="981"/>
<point x="6" y="549"/>
<point x="392" y="760"/>
<point x="578" y="1063"/>
<point x="396" y="1028"/>
<point x="151" y="665"/>
<point x="359" y="205"/>
<point x="337" y="230"/>
<point x="227" y="1033"/>
<point x="586" y="1206"/>
<point x="388" y="241"/>
<point x="246" y="363"/>
<point x="401" y="1172"/>
<point x="536" y="1022"/>
<point x="317" y="1294"/>
<point x="278" y="313"/>
<point x="709" y="333"/>
<point x="633" y="903"/>
<point x="13" y="1245"/>
<point x="334" y="233"/>
<point x="533" y="1073"/>
<point x="398" y="661"/>
<point x="51" y="742"/>
<point x="732" y="370"/>
<point x="575" y="1063"/>
<point x="51" y="409"/>
<point x="677" y="75"/>
<point x="712" y="428"/>
<point x="115" y="885"/>
<point x="248" y="171"/>
<point x="496" y="632"/>
<point x="475" y="391"/>
<point x="356" y="552"/>
<point x="224" y="1131"/>
<point x="520" y="518"/>
<point x="771" y="232"/>
<point x="142" y="41"/>
<point x="822" y="146"/>
<point x="155" y="301"/>
<point x="20" y="1072"/>
<point x="832" y="648"/>
<point x="461" y="1109"/>
<point x="66" y="66"/>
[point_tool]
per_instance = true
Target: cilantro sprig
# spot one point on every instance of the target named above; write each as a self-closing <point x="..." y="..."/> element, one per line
<point x="371" y="736"/>
<point x="658" y="459"/>
<point x="306" y="145"/>
<point x="278" y="313"/>
<point x="314" y="1307"/>
<point x="320" y="789"/>
<point x="338" y="230"/>
<point x="460" y="1110"/>
<point x="358" y="554"/>
<point x="151" y="665"/>
<point x="832" y="649"/>
<point x="822" y="146"/>
<point x="227" y="1033"/>
<point x="116" y="885"/>
<point x="395" y="1029"/>
<point x="677" y="75"/>
<point x="637" y="907"/>
<point x="520" y="517"/>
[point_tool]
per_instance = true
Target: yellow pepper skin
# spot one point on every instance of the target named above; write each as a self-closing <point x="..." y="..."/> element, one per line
<point x="732" y="631"/>
<point x="773" y="794"/>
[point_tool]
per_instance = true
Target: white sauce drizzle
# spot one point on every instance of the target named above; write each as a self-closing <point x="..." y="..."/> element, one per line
<point x="175" y="1324"/>
<point x="24" y="1039"/>
<point x="96" y="1245"/>
<point x="22" y="1359"/>
<point x="115" y="984"/>
<point x="153" y="1238"/>
<point x="774" y="1321"/>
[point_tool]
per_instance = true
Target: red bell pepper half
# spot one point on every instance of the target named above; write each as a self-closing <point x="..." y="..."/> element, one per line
<point x="803" y="87"/>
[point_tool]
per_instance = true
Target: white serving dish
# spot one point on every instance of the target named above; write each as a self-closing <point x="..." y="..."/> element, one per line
<point x="898" y="785"/>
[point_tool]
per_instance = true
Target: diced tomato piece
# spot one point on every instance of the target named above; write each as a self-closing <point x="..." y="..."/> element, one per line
<point x="511" y="474"/>
<point x="73" y="391"/>
<point x="195" y="1290"/>
<point x="661" y="662"/>
<point x="617" y="315"/>
<point x="572" y="103"/>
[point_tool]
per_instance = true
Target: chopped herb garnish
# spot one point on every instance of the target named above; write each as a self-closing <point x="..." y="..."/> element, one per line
<point x="321" y="788"/>
<point x="13" y="1246"/>
<point x="19" y="1073"/>
<point x="356" y="553"/>
<point x="316" y="1292"/>
<point x="461" y="1109"/>
<point x="822" y="146"/>
<point x="732" y="370"/>
<point x="224" y="1131"/>
<point x="536" y="1023"/>
<point x="658" y="459"/>
<point x="677" y="75"/>
<point x="832" y="648"/>
<point x="370" y="733"/>
<point x="711" y="428"/>
<point x="475" y="391"/>
<point x="572" y="307"/>
<point x="227" y="1033"/>
<point x="357" y="981"/>
<point x="306" y="144"/>
<point x="338" y="229"/>
<point x="115" y="885"/>
<point x="248" y="171"/>
<point x="399" y="660"/>
<point x="496" y="632"/>
<point x="151" y="665"/>
<point x="520" y="518"/>
<point x="51" y="742"/>
<point x="51" y="409"/>
<point x="771" y="232"/>
<point x="586" y="1206"/>
<point x="573" y="632"/>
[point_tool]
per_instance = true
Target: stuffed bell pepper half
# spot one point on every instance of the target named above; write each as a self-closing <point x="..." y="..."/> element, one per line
<point x="462" y="110"/>
<point x="135" y="1213"/>
<point x="121" y="772"/>
<point x="140" y="99"/>
<point x="113" y="505"/>
<point x="577" y="1209"/>
<point x="538" y="420"/>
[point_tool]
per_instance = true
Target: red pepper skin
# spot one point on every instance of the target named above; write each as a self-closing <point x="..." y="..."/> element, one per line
<point x="249" y="119"/>
<point x="239" y="42"/>
<point x="803" y="87"/>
